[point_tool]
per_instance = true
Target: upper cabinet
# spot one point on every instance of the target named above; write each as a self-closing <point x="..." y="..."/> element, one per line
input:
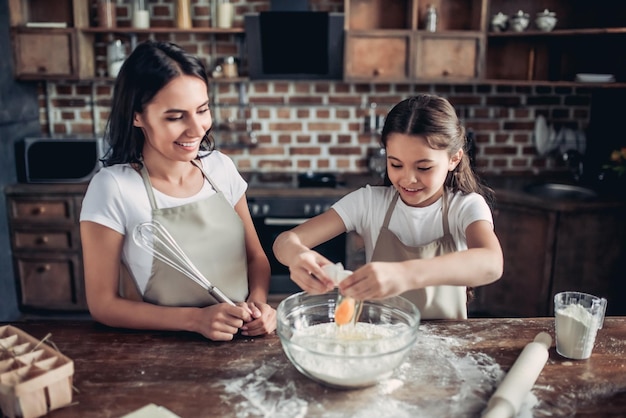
<point x="47" y="39"/>
<point x="392" y="41"/>
<point x="413" y="40"/>
<point x="587" y="44"/>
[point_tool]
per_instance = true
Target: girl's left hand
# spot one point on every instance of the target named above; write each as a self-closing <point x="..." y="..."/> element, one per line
<point x="263" y="320"/>
<point x="376" y="280"/>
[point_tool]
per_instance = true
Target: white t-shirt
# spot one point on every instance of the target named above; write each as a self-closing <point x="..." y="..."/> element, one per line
<point x="363" y="211"/>
<point x="117" y="198"/>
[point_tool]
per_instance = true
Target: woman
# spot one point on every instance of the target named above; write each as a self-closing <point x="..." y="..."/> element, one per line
<point x="162" y="167"/>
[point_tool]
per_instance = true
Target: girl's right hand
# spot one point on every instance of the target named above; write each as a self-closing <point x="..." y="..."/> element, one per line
<point x="306" y="271"/>
<point x="222" y="321"/>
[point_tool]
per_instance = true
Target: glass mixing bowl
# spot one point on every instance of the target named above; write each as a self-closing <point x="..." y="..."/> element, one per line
<point x="352" y="355"/>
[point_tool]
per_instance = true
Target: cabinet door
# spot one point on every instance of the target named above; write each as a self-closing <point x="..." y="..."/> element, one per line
<point x="527" y="237"/>
<point x="377" y="57"/>
<point x="50" y="281"/>
<point x="590" y="255"/>
<point x="452" y="57"/>
<point x="43" y="54"/>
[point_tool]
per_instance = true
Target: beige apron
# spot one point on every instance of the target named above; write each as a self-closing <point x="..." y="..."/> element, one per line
<point x="212" y="235"/>
<point x="434" y="302"/>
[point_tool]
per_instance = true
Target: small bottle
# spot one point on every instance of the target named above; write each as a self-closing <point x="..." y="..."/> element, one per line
<point x="431" y="18"/>
<point x="106" y="13"/>
<point x="183" y="14"/>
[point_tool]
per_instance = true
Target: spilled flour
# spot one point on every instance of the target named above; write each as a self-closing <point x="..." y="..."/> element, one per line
<point x="440" y="377"/>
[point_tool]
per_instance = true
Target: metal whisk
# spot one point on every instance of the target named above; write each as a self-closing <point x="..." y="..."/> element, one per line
<point x="155" y="239"/>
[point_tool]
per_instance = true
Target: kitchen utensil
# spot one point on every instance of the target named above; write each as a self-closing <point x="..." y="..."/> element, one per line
<point x="346" y="357"/>
<point x="546" y="20"/>
<point x="595" y="78"/>
<point x="155" y="239"/>
<point x="542" y="135"/>
<point x="578" y="317"/>
<point x="499" y="22"/>
<point x="519" y="21"/>
<point x="508" y="398"/>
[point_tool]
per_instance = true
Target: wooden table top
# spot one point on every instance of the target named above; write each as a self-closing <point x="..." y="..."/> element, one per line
<point x="452" y="370"/>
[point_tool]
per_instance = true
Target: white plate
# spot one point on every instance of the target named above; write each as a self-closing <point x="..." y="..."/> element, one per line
<point x="595" y="78"/>
<point x="542" y="135"/>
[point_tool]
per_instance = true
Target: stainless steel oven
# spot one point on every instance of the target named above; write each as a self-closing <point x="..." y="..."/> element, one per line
<point x="273" y="215"/>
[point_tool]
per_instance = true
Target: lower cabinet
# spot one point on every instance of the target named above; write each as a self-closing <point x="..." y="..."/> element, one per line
<point x="547" y="251"/>
<point x="45" y="242"/>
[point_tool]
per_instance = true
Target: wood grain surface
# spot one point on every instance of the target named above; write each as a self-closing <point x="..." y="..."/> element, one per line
<point x="454" y="363"/>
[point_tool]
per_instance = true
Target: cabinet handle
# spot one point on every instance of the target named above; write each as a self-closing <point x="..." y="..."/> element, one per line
<point x="44" y="268"/>
<point x="39" y="210"/>
<point x="43" y="240"/>
<point x="42" y="70"/>
<point x="378" y="72"/>
<point x="445" y="73"/>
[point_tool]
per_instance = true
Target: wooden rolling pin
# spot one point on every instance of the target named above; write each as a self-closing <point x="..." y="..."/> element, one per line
<point x="508" y="398"/>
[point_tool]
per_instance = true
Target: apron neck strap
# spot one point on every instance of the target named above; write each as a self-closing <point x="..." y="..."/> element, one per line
<point x="148" y="184"/>
<point x="444" y="211"/>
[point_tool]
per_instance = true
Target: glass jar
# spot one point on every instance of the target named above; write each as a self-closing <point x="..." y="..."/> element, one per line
<point x="225" y="12"/>
<point x="229" y="67"/>
<point x="141" y="16"/>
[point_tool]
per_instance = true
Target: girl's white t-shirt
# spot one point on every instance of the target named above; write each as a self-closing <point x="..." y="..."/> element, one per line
<point x="117" y="198"/>
<point x="363" y="211"/>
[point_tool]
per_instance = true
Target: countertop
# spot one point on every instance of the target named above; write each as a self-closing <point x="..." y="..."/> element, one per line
<point x="452" y="371"/>
<point x="508" y="189"/>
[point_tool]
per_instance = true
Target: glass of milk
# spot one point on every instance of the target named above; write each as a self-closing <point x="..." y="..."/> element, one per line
<point x="578" y="317"/>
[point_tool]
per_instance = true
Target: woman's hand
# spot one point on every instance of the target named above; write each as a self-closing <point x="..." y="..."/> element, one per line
<point x="222" y="321"/>
<point x="263" y="320"/>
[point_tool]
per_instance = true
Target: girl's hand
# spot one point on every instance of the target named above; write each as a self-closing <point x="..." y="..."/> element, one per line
<point x="263" y="320"/>
<point x="376" y="280"/>
<point x="306" y="271"/>
<point x="222" y="321"/>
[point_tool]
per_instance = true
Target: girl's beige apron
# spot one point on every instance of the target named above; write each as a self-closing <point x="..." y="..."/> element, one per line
<point x="212" y="235"/>
<point x="434" y="302"/>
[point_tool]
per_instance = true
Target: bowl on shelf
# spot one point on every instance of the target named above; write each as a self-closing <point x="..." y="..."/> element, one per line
<point x="546" y="20"/>
<point x="352" y="355"/>
<point x="499" y="22"/>
<point x="519" y="21"/>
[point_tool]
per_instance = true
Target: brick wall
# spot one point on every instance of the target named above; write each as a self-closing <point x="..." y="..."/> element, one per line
<point x="296" y="126"/>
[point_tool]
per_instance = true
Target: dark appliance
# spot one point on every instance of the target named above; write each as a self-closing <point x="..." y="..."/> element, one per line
<point x="58" y="159"/>
<point x="273" y="215"/>
<point x="294" y="45"/>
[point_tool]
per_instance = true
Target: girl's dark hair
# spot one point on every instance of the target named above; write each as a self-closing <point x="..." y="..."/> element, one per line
<point x="150" y="67"/>
<point x="435" y="119"/>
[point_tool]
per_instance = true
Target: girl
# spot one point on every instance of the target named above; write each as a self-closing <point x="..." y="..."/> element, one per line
<point x="162" y="166"/>
<point x="427" y="235"/>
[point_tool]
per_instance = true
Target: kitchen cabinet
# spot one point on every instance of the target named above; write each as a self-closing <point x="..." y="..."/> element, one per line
<point x="586" y="39"/>
<point x="45" y="242"/>
<point x="63" y="26"/>
<point x="552" y="249"/>
<point x="386" y="41"/>
<point x="39" y="27"/>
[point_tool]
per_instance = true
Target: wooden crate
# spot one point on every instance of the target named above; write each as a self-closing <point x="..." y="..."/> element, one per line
<point x="34" y="378"/>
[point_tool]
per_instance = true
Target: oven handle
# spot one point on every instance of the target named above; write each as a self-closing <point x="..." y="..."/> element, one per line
<point x="284" y="221"/>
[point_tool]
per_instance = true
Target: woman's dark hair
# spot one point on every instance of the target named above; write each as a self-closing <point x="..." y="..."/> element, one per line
<point x="435" y="119"/>
<point x="150" y="67"/>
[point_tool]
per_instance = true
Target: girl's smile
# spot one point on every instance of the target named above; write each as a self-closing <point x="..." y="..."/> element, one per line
<point x="416" y="170"/>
